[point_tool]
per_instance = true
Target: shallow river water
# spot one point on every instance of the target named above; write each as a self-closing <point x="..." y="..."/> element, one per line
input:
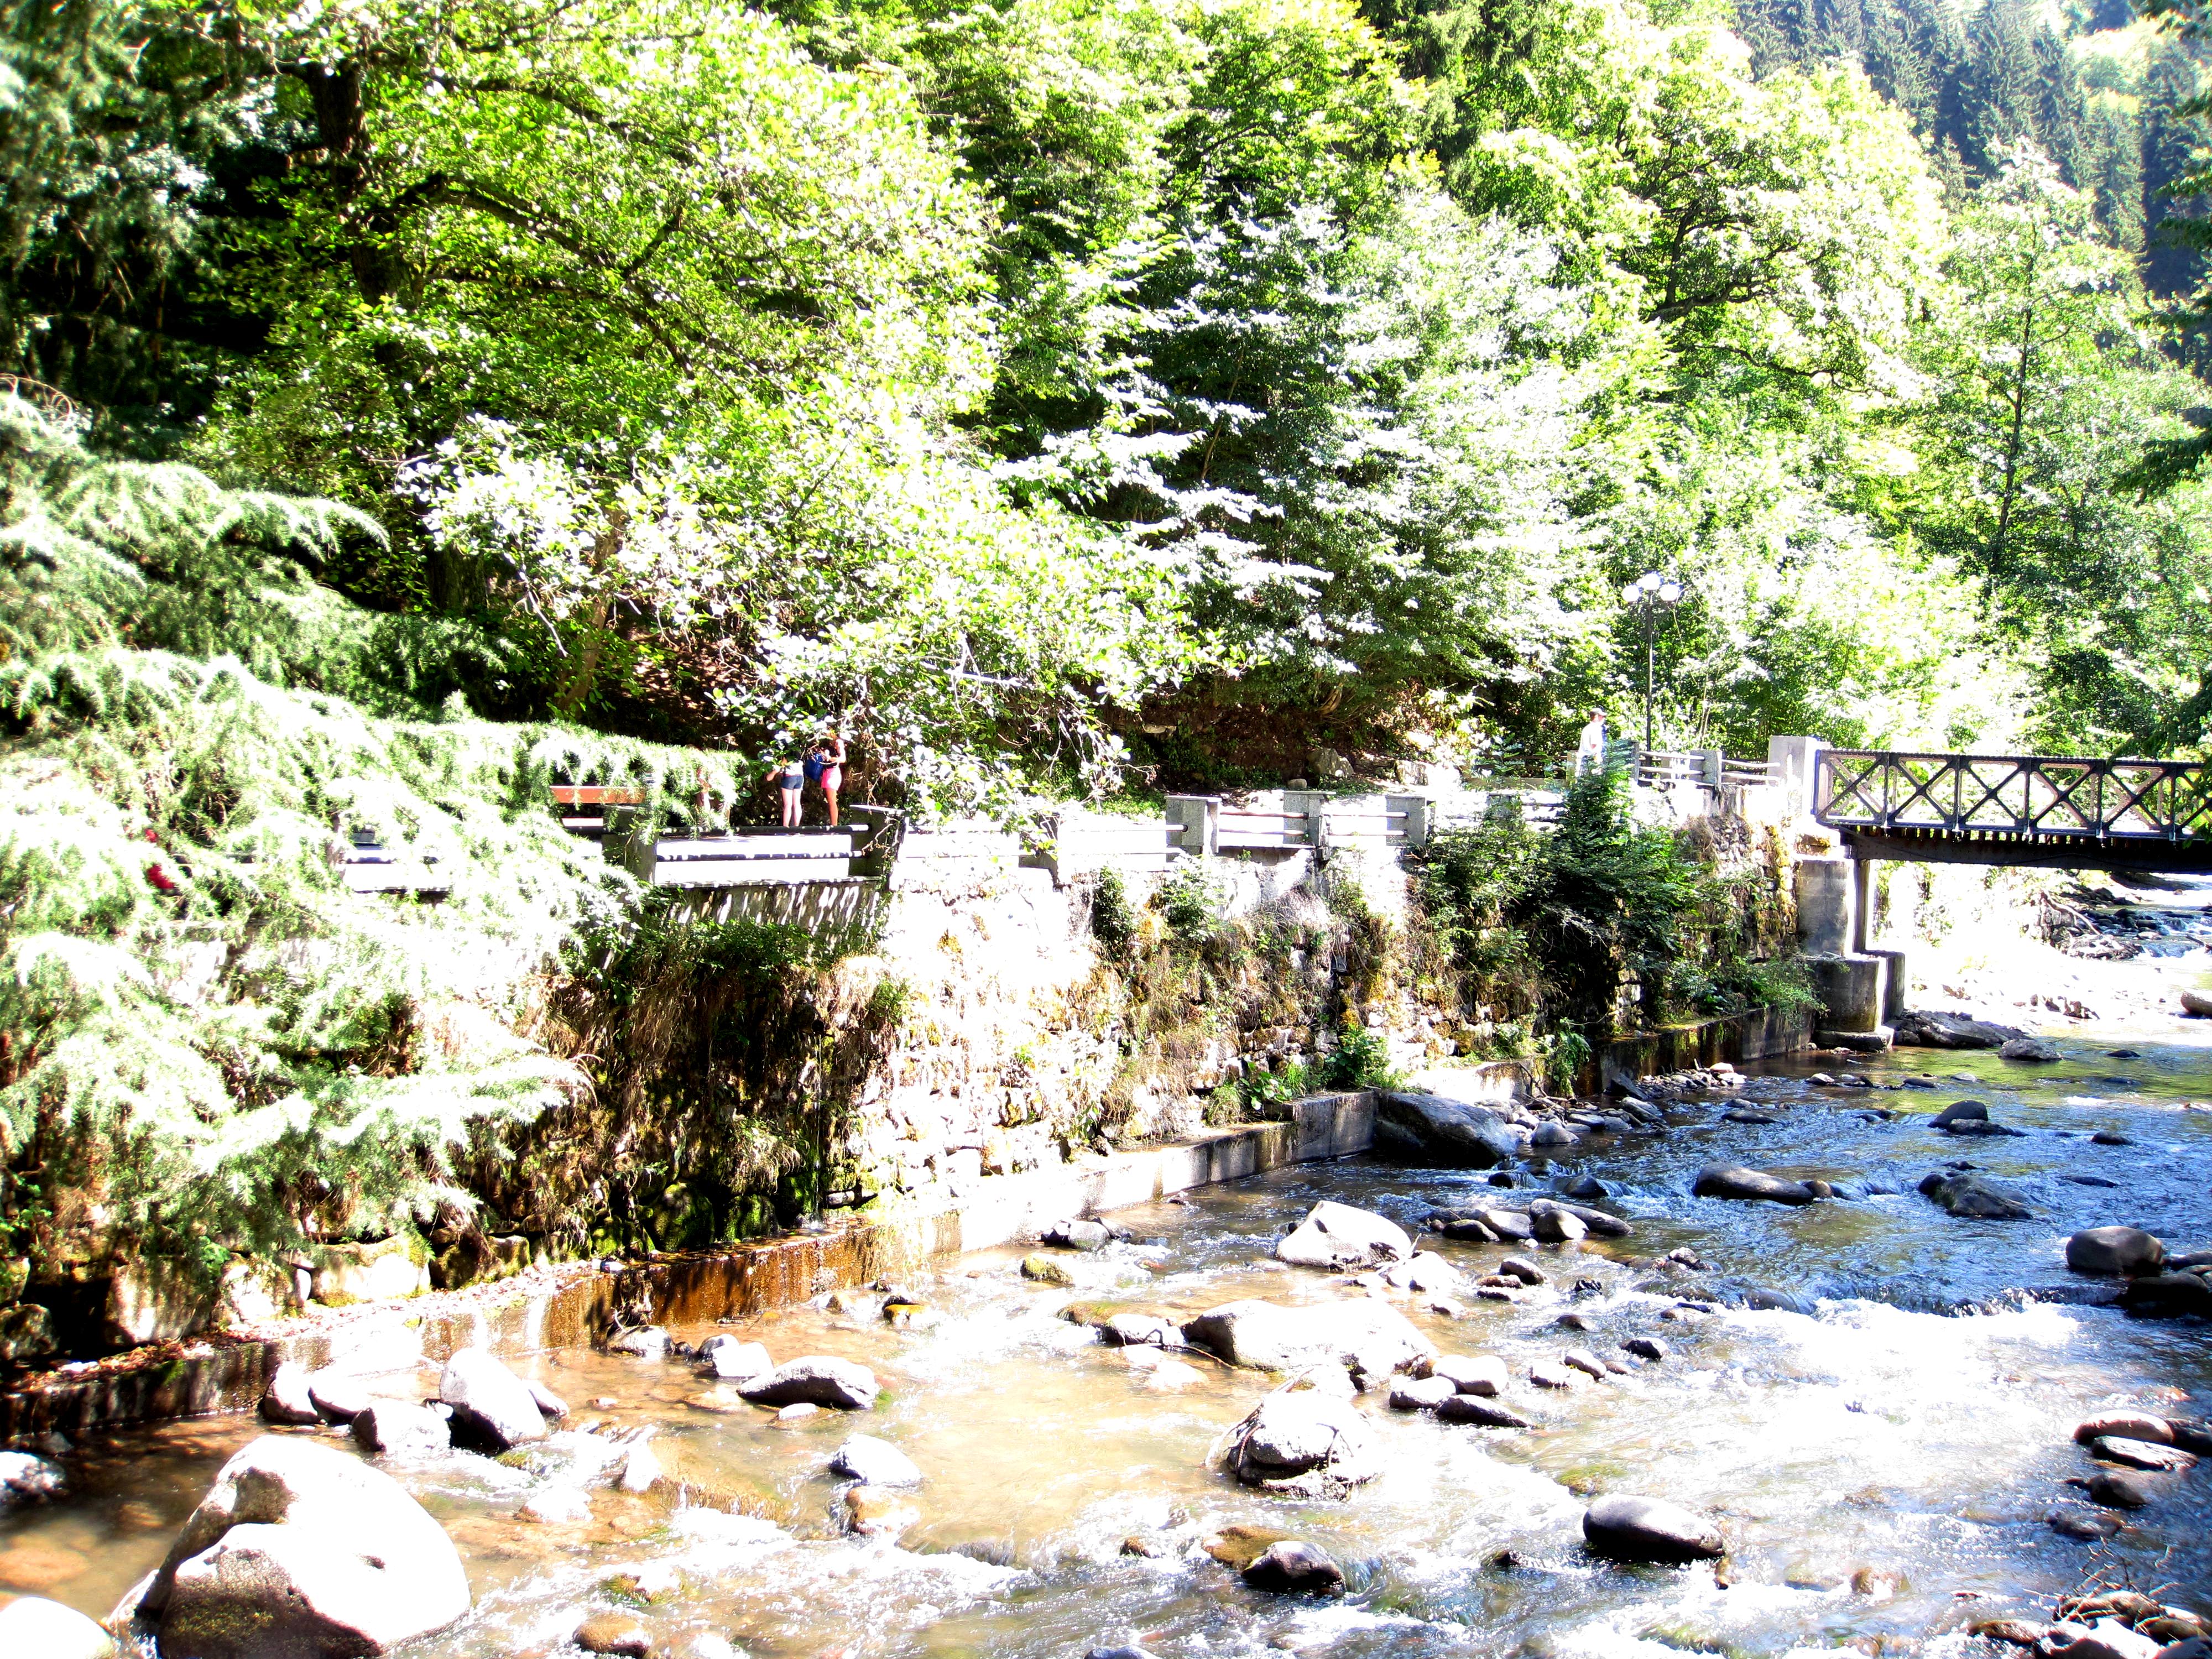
<point x="1916" y="1423"/>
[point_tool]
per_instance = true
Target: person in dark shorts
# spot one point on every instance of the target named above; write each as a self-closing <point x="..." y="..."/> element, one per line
<point x="825" y="765"/>
<point x="790" y="779"/>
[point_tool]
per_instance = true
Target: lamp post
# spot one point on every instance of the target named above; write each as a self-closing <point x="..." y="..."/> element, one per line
<point x="1647" y="593"/>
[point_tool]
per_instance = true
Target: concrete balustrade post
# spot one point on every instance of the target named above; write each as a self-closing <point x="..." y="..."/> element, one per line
<point x="1416" y="809"/>
<point x="1793" y="764"/>
<point x="1198" y="819"/>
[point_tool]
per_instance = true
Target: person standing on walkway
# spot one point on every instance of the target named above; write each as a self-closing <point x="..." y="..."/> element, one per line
<point x="790" y="779"/>
<point x="1590" y="753"/>
<point x="825" y="764"/>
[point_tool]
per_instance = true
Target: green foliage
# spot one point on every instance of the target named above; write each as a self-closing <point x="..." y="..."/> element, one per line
<point x="1190" y="902"/>
<point x="1543" y="928"/>
<point x="1113" y="923"/>
<point x="1361" y="1060"/>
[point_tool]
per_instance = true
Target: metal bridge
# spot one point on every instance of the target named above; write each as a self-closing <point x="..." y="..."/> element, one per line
<point x="2065" y="813"/>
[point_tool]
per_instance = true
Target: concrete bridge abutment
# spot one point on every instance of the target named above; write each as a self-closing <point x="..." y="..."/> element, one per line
<point x="1861" y="988"/>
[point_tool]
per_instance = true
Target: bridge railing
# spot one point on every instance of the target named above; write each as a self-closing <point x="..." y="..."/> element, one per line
<point x="2043" y="796"/>
<point x="1708" y="768"/>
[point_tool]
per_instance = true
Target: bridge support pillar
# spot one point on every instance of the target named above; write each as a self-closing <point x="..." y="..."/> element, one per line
<point x="1834" y="902"/>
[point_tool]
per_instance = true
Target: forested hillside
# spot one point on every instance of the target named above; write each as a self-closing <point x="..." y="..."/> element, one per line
<point x="1058" y="398"/>
<point x="1040" y="389"/>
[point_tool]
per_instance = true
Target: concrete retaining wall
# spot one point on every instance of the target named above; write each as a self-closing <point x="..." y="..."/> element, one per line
<point x="569" y="1307"/>
<point x="1758" y="1034"/>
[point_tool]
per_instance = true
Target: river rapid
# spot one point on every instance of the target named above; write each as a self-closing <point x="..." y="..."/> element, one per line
<point x="1911" y="1432"/>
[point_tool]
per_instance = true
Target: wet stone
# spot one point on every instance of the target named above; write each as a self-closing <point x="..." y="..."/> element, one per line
<point x="1645" y="1347"/>
<point x="1482" y="1412"/>
<point x="1422" y="1395"/>
<point x="2140" y="1454"/>
<point x="1294" y="1566"/>
<point x="1477" y="1373"/>
<point x="614" y="1633"/>
<point x="1238" y="1547"/>
<point x="2086" y="1525"/>
<point x="1629" y="1528"/>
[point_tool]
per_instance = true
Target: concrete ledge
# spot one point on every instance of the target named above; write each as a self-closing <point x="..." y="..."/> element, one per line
<point x="570" y="1307"/>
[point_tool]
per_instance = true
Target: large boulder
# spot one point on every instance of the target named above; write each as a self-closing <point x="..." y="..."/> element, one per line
<point x="2115" y="1252"/>
<point x="1961" y="1193"/>
<point x="1363" y="1335"/>
<point x="299" y="1549"/>
<point x="1339" y="1235"/>
<point x="815" y="1380"/>
<point x="34" y="1628"/>
<point x="1448" y="1135"/>
<point x="1301" y="1440"/>
<point x="1650" y="1529"/>
<point x="491" y="1405"/>
<point x="1733" y="1181"/>
<point x="1928" y="1029"/>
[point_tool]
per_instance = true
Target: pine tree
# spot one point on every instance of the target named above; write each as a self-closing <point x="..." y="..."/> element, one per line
<point x="2113" y="168"/>
<point x="2058" y="114"/>
<point x="1898" y="66"/>
<point x="2170" y="140"/>
<point x="2001" y="86"/>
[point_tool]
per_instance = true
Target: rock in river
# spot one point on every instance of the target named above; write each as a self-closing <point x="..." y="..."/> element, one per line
<point x="1554" y="1224"/>
<point x="733" y="1361"/>
<point x="27" y="1478"/>
<point x="1486" y="1414"/>
<point x="401" y="1426"/>
<point x="815" y="1380"/>
<point x="35" y="1628"/>
<point x="615" y="1633"/>
<point x="1421" y="1395"/>
<point x="299" y="1549"/>
<point x="2034" y="1049"/>
<point x="1732" y="1181"/>
<point x="876" y="1463"/>
<point x="2169" y="1296"/>
<point x="1448" y="1135"/>
<point x="491" y="1405"/>
<point x="1481" y="1374"/>
<point x="1362" y="1334"/>
<point x="1931" y="1029"/>
<point x="2115" y="1252"/>
<point x="1293" y="1565"/>
<point x="1339" y="1235"/>
<point x="2128" y="1424"/>
<point x="1301" y="1436"/>
<point x="288" y="1398"/>
<point x="2142" y="1454"/>
<point x="1960" y="1111"/>
<point x="1960" y="1193"/>
<point x="1650" y="1529"/>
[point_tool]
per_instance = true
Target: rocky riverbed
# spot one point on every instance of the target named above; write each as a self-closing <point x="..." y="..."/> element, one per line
<point x="1868" y="1402"/>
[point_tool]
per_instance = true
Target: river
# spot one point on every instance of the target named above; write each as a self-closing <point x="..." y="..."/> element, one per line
<point x="1916" y="1426"/>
